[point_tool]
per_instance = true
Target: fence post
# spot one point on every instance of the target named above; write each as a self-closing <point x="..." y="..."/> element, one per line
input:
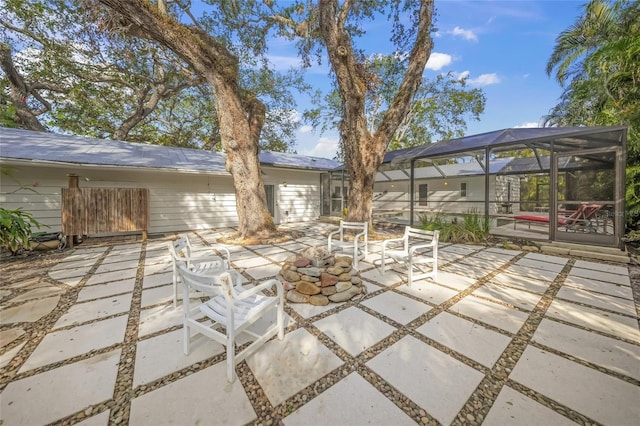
<point x="74" y="182"/>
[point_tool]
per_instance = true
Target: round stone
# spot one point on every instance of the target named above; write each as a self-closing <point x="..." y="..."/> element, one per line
<point x="301" y="263"/>
<point x="295" y="297"/>
<point x="319" y="300"/>
<point x="306" y="287"/>
<point x="343" y="286"/>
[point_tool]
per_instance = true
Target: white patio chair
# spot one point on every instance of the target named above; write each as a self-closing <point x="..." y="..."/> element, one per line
<point x="417" y="247"/>
<point x="360" y="242"/>
<point x="233" y="310"/>
<point x="183" y="253"/>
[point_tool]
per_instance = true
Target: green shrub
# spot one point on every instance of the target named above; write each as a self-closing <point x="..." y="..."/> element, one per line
<point x="473" y="229"/>
<point x="15" y="229"/>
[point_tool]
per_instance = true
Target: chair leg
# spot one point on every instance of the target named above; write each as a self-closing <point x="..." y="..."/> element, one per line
<point x="280" y="319"/>
<point x="186" y="339"/>
<point x="175" y="288"/>
<point x="231" y="359"/>
<point x="410" y="273"/>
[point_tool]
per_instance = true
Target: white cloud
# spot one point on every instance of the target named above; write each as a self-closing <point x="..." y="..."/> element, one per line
<point x="466" y="34"/>
<point x="485" y="80"/>
<point x="461" y="75"/>
<point x="306" y="129"/>
<point x="527" y="125"/>
<point x="325" y="148"/>
<point x="438" y="60"/>
<point x="481" y="80"/>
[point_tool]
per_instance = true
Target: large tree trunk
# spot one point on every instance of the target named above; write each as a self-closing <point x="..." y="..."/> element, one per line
<point x="365" y="151"/>
<point x="240" y="115"/>
<point x="18" y="92"/>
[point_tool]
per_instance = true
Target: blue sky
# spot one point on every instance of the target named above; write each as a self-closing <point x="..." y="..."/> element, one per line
<point x="502" y="46"/>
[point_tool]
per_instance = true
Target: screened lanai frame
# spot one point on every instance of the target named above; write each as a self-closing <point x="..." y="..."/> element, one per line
<point x="557" y="151"/>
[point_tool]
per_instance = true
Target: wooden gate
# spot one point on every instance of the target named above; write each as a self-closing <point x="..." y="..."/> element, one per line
<point x="90" y="211"/>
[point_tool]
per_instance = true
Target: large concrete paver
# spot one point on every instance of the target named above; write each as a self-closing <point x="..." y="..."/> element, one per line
<point x="607" y="322"/>
<point x="52" y="395"/>
<point x="598" y="300"/>
<point x="97" y="291"/>
<point x="601" y="276"/>
<point x="607" y="352"/>
<point x="285" y="367"/>
<point x="429" y="291"/>
<point x="354" y="330"/>
<point x="514" y="408"/>
<point x="471" y="340"/>
<point x="611" y="289"/>
<point x="397" y="307"/>
<point x="163" y="354"/>
<point x="352" y="401"/>
<point x="604" y="398"/>
<point x="491" y="313"/>
<point x="522" y="299"/>
<point x="30" y="311"/>
<point x="435" y="381"/>
<point x="95" y="309"/>
<point x="203" y="398"/>
<point x="64" y="344"/>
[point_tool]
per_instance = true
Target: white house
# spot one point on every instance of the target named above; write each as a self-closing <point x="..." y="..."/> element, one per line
<point x="448" y="188"/>
<point x="188" y="189"/>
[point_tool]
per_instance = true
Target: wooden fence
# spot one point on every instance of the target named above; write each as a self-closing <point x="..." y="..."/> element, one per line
<point x="90" y="211"/>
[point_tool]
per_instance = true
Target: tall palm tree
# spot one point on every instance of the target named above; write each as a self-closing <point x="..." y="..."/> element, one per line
<point x="594" y="28"/>
<point x="597" y="61"/>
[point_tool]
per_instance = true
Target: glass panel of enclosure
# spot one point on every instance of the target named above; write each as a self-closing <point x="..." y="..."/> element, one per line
<point x="585" y="193"/>
<point x="334" y="193"/>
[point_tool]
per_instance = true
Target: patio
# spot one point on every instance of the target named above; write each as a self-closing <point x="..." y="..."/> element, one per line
<point x="503" y="337"/>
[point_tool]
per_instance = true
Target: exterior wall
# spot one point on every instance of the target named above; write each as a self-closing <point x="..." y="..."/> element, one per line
<point x="299" y="200"/>
<point x="502" y="196"/>
<point x="441" y="197"/>
<point x="179" y="201"/>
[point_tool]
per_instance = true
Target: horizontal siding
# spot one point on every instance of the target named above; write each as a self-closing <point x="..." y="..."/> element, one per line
<point x="35" y="194"/>
<point x="178" y="202"/>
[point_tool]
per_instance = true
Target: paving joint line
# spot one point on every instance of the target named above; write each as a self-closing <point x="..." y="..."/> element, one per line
<point x="38" y="330"/>
<point x="482" y="399"/>
<point x="123" y="386"/>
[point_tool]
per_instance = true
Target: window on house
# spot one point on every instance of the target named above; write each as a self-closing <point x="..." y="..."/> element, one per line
<point x="463" y="189"/>
<point x="423" y="194"/>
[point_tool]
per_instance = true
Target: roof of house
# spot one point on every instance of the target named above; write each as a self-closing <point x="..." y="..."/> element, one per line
<point x="44" y="147"/>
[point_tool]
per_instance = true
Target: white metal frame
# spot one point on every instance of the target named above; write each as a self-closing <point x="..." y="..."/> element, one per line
<point x="360" y="249"/>
<point x="183" y="253"/>
<point x="418" y="247"/>
<point x="232" y="309"/>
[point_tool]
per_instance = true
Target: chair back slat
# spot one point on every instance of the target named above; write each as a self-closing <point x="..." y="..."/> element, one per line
<point x="421" y="234"/>
<point x="213" y="284"/>
<point x="360" y="226"/>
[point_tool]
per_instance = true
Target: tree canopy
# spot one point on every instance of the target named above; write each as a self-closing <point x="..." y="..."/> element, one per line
<point x="597" y="62"/>
<point x="62" y="72"/>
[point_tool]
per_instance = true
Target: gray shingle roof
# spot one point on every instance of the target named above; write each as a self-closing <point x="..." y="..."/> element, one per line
<point x="27" y="145"/>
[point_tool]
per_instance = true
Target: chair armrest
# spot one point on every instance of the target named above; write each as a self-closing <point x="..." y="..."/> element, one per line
<point x="199" y="259"/>
<point x="420" y="246"/>
<point x="357" y="237"/>
<point x="223" y="250"/>
<point x="331" y="234"/>
<point x="392" y="240"/>
<point x="262" y="286"/>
